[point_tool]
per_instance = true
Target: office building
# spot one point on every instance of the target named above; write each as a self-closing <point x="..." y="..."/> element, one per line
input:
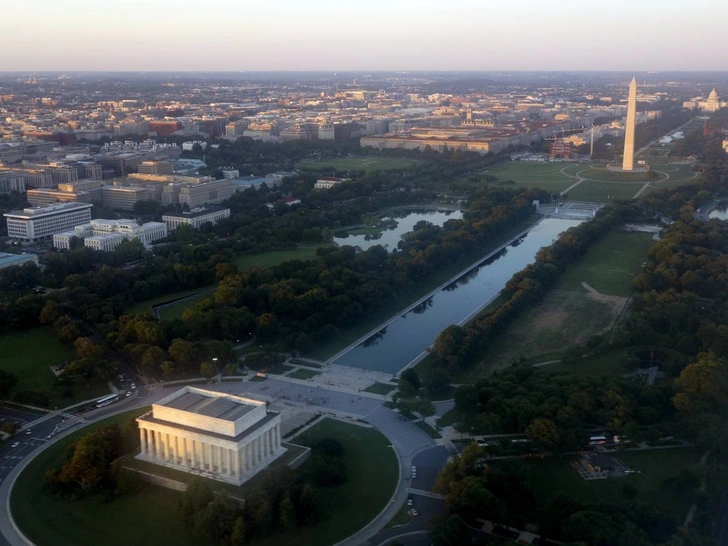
<point x="10" y="182"/>
<point x="196" y="217"/>
<point x="34" y="223"/>
<point x="108" y="234"/>
<point x="156" y="167"/>
<point x="208" y="193"/>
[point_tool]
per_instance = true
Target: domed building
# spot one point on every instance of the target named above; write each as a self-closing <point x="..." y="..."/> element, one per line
<point x="712" y="103"/>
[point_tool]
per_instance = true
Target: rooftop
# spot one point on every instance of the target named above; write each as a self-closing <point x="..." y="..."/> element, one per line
<point x="223" y="408"/>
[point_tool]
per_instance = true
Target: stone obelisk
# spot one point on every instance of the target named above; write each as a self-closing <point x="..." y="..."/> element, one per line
<point x="628" y="161"/>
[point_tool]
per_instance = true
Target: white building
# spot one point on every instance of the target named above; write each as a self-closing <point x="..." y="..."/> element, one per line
<point x="196" y="217"/>
<point x="219" y="436"/>
<point x="329" y="182"/>
<point x="108" y="234"/>
<point x="188" y="146"/>
<point x="35" y="223"/>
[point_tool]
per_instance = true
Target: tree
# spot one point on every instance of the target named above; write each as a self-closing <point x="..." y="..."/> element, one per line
<point x="409" y="383"/>
<point x="544" y="432"/>
<point x="214" y="524"/>
<point x="451" y="531"/>
<point x="207" y="369"/>
<point x="194" y="499"/>
<point x="287" y="513"/>
<point x="237" y="537"/>
<point x="8" y="380"/>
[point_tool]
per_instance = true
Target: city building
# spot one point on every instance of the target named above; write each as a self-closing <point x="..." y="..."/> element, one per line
<point x="217" y="191"/>
<point x="560" y="148"/>
<point x="711" y="104"/>
<point x="108" y="234"/>
<point x="220" y="436"/>
<point x="123" y="197"/>
<point x="156" y="167"/>
<point x="190" y="145"/>
<point x="195" y="217"/>
<point x="33" y="223"/>
<point x="329" y="182"/>
<point x="9" y="260"/>
<point x="10" y="182"/>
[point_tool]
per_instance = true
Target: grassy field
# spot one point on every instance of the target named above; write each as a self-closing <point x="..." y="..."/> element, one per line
<point x="610" y="265"/>
<point x="554" y="475"/>
<point x="603" y="192"/>
<point x="358" y="164"/>
<point x="372" y="474"/>
<point x="274" y="257"/>
<point x="534" y="174"/>
<point x="380" y="388"/>
<point x="600" y="185"/>
<point x="151" y="516"/>
<point x="300" y="373"/>
<point x="89" y="522"/>
<point x="608" y="362"/>
<point x="563" y="319"/>
<point x="570" y="314"/>
<point x="30" y="353"/>
<point x="348" y="335"/>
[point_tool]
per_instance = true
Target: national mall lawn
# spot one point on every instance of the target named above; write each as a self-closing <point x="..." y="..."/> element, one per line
<point x="151" y="517"/>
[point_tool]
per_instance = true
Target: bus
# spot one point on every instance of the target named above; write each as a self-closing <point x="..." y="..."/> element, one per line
<point x="106" y="400"/>
<point x="597" y="440"/>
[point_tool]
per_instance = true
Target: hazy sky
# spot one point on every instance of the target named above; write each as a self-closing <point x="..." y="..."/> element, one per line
<point x="363" y="35"/>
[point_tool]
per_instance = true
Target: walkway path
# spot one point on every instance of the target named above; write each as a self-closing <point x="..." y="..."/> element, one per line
<point x="691" y="512"/>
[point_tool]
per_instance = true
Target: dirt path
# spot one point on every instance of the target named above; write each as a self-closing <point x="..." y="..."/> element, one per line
<point x="615" y="303"/>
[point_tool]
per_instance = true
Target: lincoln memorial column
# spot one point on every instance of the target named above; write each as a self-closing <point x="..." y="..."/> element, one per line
<point x="193" y="454"/>
<point x="143" y="441"/>
<point x="236" y="462"/>
<point x="158" y="444"/>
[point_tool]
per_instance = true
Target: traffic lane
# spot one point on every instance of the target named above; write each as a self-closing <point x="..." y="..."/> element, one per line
<point x="429" y="463"/>
<point x="20" y="416"/>
<point x="313" y="396"/>
<point x="407" y="437"/>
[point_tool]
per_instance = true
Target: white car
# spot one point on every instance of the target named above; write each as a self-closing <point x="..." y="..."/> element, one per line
<point x="15" y="444"/>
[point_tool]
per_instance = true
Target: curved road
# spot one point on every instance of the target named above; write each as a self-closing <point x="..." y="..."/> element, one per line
<point x="407" y="439"/>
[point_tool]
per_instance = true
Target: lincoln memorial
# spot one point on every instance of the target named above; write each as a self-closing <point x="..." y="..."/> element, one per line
<point x="219" y="436"/>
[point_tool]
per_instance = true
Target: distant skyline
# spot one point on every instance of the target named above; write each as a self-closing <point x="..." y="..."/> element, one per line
<point x="330" y="35"/>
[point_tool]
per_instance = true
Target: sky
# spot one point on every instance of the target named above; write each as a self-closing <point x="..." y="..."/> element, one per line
<point x="174" y="35"/>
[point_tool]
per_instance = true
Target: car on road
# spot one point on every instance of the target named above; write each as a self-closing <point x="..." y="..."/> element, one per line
<point x="15" y="444"/>
<point x="409" y="501"/>
<point x="413" y="512"/>
<point x="28" y="431"/>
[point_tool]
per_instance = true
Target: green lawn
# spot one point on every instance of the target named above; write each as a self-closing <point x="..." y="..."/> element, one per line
<point x="151" y="517"/>
<point x="554" y="475"/>
<point x="535" y="174"/>
<point x="30" y="353"/>
<point x="139" y="520"/>
<point x="380" y="388"/>
<point x="603" y="191"/>
<point x="372" y="475"/>
<point x="610" y="265"/>
<point x="274" y="257"/>
<point x="358" y="164"/>
<point x="563" y="319"/>
<point x="301" y="373"/>
<point x="608" y="362"/>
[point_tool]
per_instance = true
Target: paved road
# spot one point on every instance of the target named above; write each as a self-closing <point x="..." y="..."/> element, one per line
<point x="409" y="441"/>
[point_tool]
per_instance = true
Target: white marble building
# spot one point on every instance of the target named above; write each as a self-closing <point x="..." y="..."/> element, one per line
<point x="219" y="436"/>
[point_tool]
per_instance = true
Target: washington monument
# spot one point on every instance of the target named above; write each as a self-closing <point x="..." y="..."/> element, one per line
<point x="628" y="161"/>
